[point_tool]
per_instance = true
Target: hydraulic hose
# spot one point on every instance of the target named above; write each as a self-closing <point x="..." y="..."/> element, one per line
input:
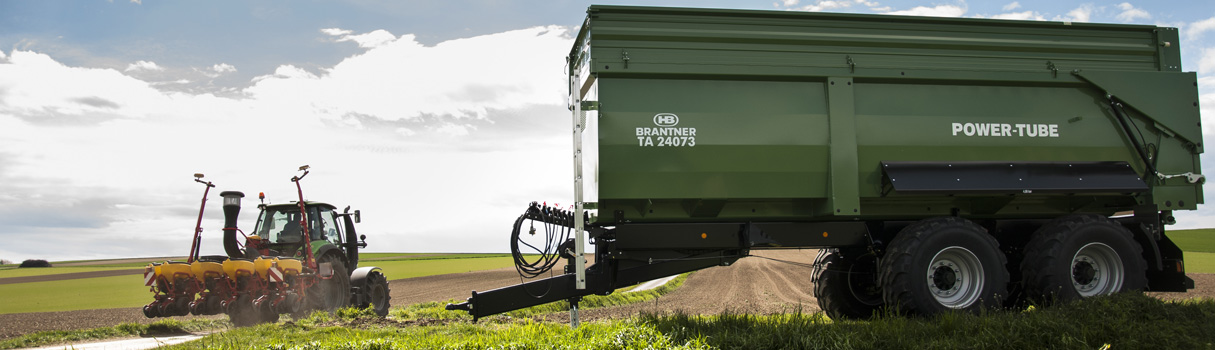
<point x="558" y="228"/>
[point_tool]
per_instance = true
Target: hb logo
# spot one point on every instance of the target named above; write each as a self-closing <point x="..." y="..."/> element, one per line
<point x="666" y="119"/>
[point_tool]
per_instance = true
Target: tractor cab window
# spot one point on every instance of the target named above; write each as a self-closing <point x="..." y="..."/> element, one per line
<point x="329" y="229"/>
<point x="280" y="225"/>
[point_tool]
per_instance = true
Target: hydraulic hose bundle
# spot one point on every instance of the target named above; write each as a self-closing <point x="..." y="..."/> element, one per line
<point x="558" y="228"/>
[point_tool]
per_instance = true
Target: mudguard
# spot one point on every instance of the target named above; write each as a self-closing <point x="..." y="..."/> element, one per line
<point x="358" y="284"/>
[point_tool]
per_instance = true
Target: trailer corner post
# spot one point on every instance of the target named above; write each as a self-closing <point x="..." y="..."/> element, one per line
<point x="579" y="119"/>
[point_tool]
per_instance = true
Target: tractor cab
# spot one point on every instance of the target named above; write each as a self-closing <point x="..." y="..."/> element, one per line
<point x="280" y="230"/>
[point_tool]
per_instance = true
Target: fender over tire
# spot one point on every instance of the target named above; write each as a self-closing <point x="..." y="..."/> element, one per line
<point x="940" y="264"/>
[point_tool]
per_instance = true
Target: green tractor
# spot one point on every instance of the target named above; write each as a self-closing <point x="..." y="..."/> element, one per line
<point x="302" y="256"/>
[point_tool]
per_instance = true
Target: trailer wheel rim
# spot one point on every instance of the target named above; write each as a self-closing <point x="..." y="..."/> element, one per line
<point x="1096" y="269"/>
<point x="955" y="277"/>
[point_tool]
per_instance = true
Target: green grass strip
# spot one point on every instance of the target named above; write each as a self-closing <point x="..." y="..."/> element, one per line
<point x="158" y="328"/>
<point x="516" y="334"/>
<point x="1125" y="321"/>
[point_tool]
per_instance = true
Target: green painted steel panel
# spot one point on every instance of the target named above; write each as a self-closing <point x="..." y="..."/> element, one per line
<point x="768" y="115"/>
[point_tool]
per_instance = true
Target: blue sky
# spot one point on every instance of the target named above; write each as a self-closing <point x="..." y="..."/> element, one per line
<point x="424" y="114"/>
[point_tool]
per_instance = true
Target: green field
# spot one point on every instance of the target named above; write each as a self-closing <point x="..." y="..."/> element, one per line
<point x="129" y="291"/>
<point x="1199" y="240"/>
<point x="41" y="271"/>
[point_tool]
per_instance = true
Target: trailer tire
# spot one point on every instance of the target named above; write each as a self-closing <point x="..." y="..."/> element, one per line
<point x="940" y="264"/>
<point x="846" y="286"/>
<point x="1081" y="256"/>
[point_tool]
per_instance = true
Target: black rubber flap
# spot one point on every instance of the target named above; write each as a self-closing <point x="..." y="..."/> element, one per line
<point x="1012" y="177"/>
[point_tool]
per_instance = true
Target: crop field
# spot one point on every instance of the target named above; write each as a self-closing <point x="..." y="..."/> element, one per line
<point x="129" y="291"/>
<point x="1199" y="240"/>
<point x="39" y="271"/>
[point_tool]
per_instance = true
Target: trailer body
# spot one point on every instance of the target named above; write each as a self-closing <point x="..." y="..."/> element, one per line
<point x="703" y="133"/>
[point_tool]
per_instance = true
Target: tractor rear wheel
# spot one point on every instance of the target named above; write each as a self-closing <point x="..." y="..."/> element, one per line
<point x="941" y="264"/>
<point x="846" y="284"/>
<point x="333" y="293"/>
<point x="1081" y="256"/>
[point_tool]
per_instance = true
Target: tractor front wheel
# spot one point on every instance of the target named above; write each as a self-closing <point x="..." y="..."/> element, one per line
<point x="377" y="293"/>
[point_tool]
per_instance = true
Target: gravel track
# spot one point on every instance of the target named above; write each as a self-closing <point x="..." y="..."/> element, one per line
<point x="753" y="285"/>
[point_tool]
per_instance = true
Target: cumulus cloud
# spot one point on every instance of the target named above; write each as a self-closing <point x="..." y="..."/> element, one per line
<point x="827" y="5"/>
<point x="39" y="89"/>
<point x="1206" y="64"/>
<point x="1027" y="15"/>
<point x="1130" y="13"/>
<point x="365" y="40"/>
<point x="1079" y="14"/>
<point x="935" y="11"/>
<point x="223" y="68"/>
<point x="143" y="66"/>
<point x="1012" y="6"/>
<point x="1193" y="31"/>
<point x="399" y="118"/>
<point x="398" y="79"/>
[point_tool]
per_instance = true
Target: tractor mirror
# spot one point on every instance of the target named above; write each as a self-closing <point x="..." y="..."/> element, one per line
<point x="358" y="218"/>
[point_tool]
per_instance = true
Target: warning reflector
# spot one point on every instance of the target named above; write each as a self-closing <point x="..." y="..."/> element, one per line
<point x="148" y="278"/>
<point x="275" y="275"/>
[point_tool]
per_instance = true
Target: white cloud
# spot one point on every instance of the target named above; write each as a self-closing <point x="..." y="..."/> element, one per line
<point x="143" y="66"/>
<point x="823" y="5"/>
<point x="1027" y="15"/>
<point x="223" y="68"/>
<point x="1130" y="13"/>
<point x="398" y="80"/>
<point x="1206" y="64"/>
<point x="366" y="40"/>
<point x="1079" y="14"/>
<point x="336" y="31"/>
<point x="1012" y="6"/>
<point x="935" y="11"/>
<point x="1194" y="30"/>
<point x="400" y="118"/>
<point x="790" y="2"/>
<point x="140" y="2"/>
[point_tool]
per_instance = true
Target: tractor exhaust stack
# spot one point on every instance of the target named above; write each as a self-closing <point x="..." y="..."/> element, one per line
<point x="231" y="212"/>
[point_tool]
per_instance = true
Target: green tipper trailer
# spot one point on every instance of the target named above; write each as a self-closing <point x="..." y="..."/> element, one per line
<point x="942" y="163"/>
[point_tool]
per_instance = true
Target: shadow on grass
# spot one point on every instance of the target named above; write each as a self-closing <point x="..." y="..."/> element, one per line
<point x="1124" y="321"/>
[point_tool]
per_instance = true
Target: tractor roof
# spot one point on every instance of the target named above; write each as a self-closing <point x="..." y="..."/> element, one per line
<point x="293" y="204"/>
